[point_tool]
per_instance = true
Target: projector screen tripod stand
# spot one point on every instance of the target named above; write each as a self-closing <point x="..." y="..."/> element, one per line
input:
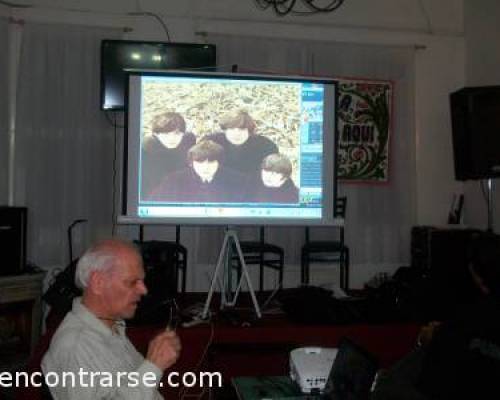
<point x="224" y="259"/>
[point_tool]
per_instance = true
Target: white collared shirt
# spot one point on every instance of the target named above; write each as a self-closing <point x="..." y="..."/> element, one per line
<point x="83" y="344"/>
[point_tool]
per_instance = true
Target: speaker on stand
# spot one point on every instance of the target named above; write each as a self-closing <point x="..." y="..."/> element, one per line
<point x="475" y="119"/>
<point x="13" y="224"/>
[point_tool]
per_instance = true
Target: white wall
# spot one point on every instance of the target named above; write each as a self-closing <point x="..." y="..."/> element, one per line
<point x="444" y="16"/>
<point x="439" y="71"/>
<point x="482" y="34"/>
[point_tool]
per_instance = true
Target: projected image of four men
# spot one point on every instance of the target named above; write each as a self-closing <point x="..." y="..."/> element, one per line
<point x="205" y="153"/>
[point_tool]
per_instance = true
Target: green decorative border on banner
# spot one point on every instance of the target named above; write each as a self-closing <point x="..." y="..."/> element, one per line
<point x="364" y="116"/>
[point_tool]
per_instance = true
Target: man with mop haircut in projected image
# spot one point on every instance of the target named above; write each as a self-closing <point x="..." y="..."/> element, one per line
<point x="91" y="340"/>
<point x="275" y="184"/>
<point x="206" y="180"/>
<point x="244" y="148"/>
<point x="165" y="150"/>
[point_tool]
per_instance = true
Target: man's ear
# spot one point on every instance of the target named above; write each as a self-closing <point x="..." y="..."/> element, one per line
<point x="96" y="282"/>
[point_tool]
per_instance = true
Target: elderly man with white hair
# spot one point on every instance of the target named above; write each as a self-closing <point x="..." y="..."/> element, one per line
<point x="90" y="357"/>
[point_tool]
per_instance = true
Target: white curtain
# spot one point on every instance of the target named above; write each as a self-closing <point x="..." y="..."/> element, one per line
<point x="4" y="142"/>
<point x="64" y="145"/>
<point x="379" y="217"/>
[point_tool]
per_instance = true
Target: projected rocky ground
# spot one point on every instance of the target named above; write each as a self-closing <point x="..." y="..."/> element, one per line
<point x="275" y="109"/>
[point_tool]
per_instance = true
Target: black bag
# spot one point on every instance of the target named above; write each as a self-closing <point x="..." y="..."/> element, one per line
<point x="161" y="281"/>
<point x="315" y="305"/>
<point x="63" y="290"/>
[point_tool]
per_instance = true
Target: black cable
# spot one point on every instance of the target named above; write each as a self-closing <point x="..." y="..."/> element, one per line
<point x="334" y="4"/>
<point x="162" y="24"/>
<point x="281" y="8"/>
<point x="115" y="154"/>
<point x="284" y="7"/>
<point x="157" y="17"/>
<point x="183" y="392"/>
<point x="111" y="122"/>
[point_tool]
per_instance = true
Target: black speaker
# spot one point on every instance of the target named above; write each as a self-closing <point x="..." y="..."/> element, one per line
<point x="13" y="239"/>
<point x="475" y="120"/>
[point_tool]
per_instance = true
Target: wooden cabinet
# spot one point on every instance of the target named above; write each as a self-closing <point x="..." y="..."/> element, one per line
<point x="21" y="301"/>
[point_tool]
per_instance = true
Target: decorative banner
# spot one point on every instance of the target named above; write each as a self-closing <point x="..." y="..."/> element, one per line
<point x="364" y="115"/>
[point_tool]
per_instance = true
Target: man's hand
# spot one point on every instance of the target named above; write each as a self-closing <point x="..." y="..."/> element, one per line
<point x="164" y="349"/>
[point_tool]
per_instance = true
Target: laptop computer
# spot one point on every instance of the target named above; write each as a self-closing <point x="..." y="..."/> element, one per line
<point x="353" y="373"/>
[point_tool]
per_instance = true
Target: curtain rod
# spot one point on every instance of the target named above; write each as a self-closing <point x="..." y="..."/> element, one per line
<point x="415" y="46"/>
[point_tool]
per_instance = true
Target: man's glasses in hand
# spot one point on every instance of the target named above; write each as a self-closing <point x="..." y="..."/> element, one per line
<point x="174" y="316"/>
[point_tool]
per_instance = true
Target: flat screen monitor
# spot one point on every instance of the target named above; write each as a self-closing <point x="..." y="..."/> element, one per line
<point x="118" y="55"/>
<point x="212" y="148"/>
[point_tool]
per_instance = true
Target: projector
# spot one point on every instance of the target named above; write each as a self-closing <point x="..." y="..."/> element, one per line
<point x="310" y="367"/>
